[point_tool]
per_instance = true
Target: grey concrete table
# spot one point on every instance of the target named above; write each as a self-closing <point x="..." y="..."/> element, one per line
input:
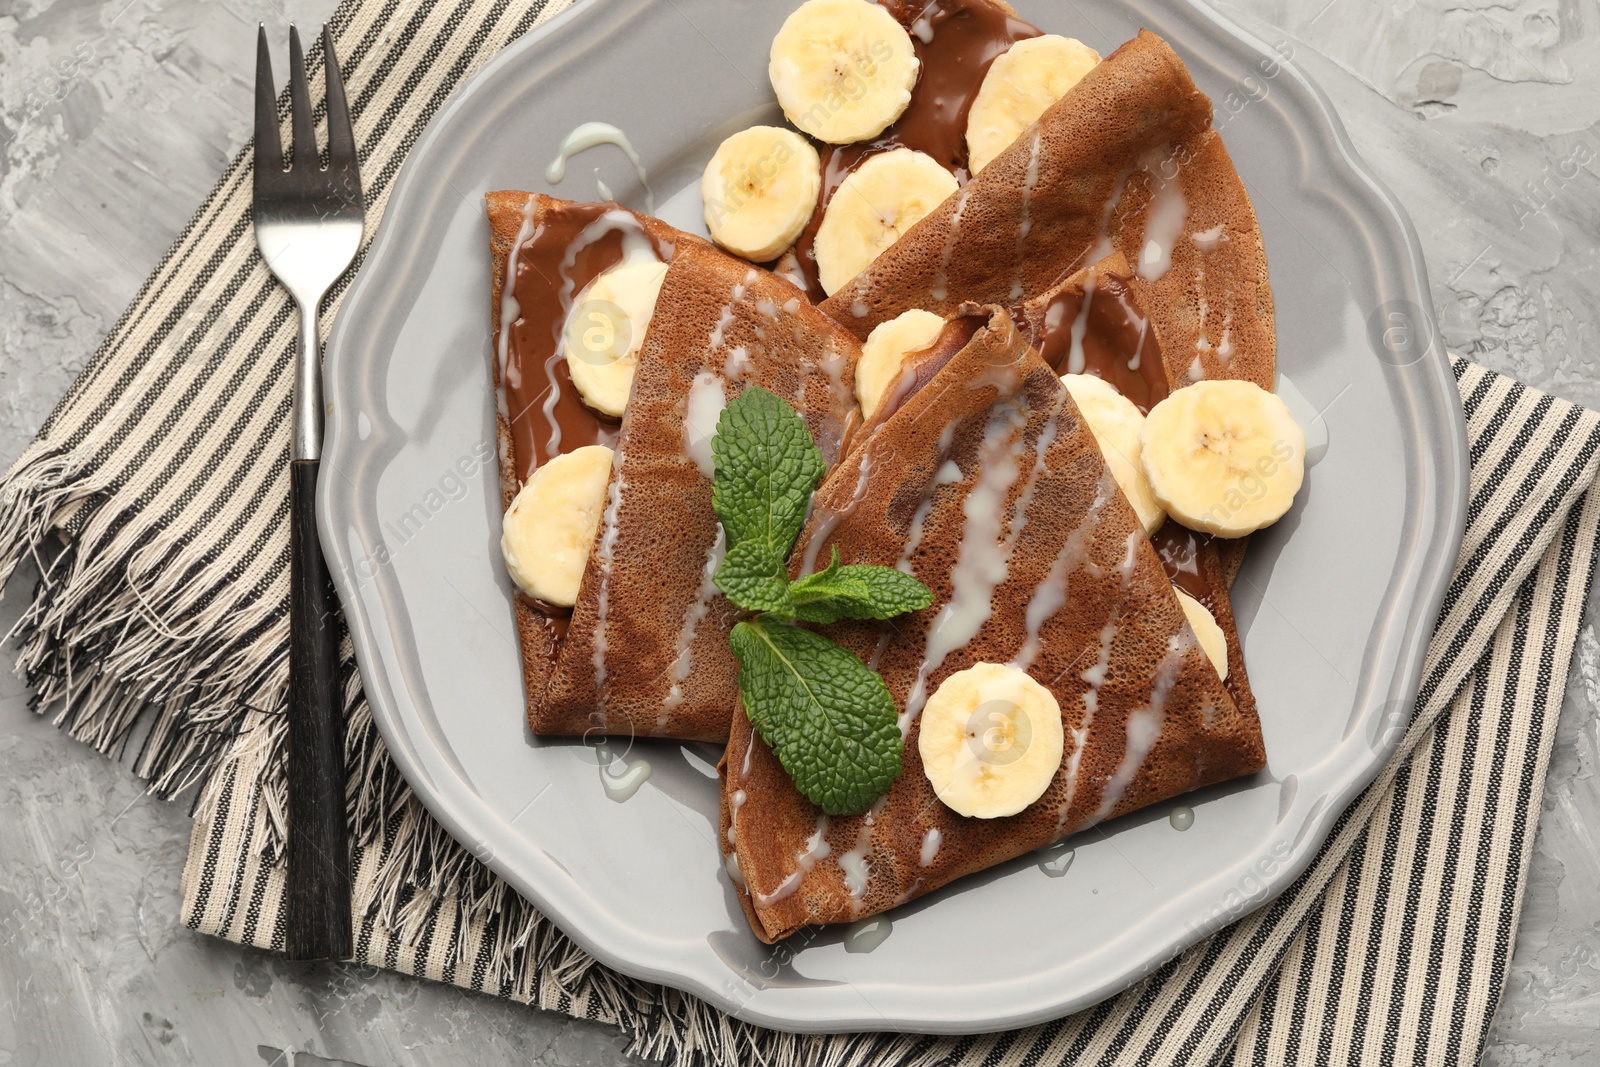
<point x="116" y="117"/>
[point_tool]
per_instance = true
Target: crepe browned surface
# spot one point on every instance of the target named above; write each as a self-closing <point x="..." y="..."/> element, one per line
<point x="508" y="211"/>
<point x="1081" y="547"/>
<point x="647" y="650"/>
<point x="1213" y="304"/>
<point x="1233" y="553"/>
<point x="1134" y="132"/>
<point x="1122" y="330"/>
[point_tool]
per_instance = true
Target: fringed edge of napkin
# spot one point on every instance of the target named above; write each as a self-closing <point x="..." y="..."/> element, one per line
<point x="96" y="649"/>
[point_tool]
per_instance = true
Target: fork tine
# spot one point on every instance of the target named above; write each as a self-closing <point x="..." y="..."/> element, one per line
<point x="305" y="135"/>
<point x="269" y="150"/>
<point x="341" y="139"/>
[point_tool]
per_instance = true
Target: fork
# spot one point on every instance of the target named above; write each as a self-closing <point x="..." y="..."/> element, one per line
<point x="308" y="223"/>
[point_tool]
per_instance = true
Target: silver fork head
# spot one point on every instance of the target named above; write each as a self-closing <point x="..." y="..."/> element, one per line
<point x="308" y="217"/>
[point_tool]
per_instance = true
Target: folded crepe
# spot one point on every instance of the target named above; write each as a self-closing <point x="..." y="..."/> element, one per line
<point x="990" y="488"/>
<point x="1095" y="322"/>
<point x="1125" y="161"/>
<point x="644" y="651"/>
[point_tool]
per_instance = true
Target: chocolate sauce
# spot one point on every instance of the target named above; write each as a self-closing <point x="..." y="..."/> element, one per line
<point x="570" y="245"/>
<point x="557" y="617"/>
<point x="1116" y="342"/>
<point x="1118" y="346"/>
<point x="919" y="369"/>
<point x="962" y="39"/>
<point x="1179" y="549"/>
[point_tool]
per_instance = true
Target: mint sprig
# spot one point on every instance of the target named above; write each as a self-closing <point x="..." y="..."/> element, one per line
<point x="766" y="466"/>
<point x="828" y="717"/>
<point x="856" y="592"/>
<point x="755" y="577"/>
<point x="830" y="720"/>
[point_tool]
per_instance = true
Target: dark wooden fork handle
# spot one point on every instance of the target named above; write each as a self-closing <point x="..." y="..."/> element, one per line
<point x="317" y="904"/>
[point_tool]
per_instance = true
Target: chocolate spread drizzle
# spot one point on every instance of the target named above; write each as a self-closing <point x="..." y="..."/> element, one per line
<point x="955" y="41"/>
<point x="919" y="369"/>
<point x="1119" y="346"/>
<point x="568" y="246"/>
<point x="1117" y="342"/>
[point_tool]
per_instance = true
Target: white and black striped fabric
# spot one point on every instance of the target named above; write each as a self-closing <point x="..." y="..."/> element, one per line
<point x="164" y="473"/>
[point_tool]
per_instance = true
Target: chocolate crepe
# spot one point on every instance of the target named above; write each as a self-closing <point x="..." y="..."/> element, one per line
<point x="1125" y="161"/>
<point x="1095" y="322"/>
<point x="529" y="303"/>
<point x="987" y="464"/>
<point x="645" y="649"/>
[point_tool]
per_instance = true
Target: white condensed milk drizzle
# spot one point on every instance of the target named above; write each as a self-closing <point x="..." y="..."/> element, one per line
<point x="1030" y="181"/>
<point x="683" y="648"/>
<point x="1144" y="727"/>
<point x="708" y="396"/>
<point x="983" y="559"/>
<point x="1076" y="360"/>
<point x="816" y="850"/>
<point x="1051" y="594"/>
<point x="947" y="473"/>
<point x="941" y="280"/>
<point x="854" y="862"/>
<point x="622" y="785"/>
<point x="931" y="840"/>
<point x="593" y="135"/>
<point x="828" y="519"/>
<point x="606" y="553"/>
<point x="1164" y="222"/>
<point x="510" y="312"/>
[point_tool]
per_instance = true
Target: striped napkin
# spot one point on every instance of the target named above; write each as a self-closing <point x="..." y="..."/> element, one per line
<point x="156" y="500"/>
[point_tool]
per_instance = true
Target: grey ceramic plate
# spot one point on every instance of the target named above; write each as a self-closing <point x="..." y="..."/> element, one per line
<point x="1335" y="603"/>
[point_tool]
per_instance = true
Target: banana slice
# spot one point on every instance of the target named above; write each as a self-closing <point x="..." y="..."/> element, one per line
<point x="760" y="190"/>
<point x="991" y="741"/>
<point x="546" y="534"/>
<point x="884" y="354"/>
<point x="843" y="70"/>
<point x="873" y="206"/>
<point x="605" y="330"/>
<point x="1205" y="628"/>
<point x="1020" y="86"/>
<point x="1116" y="424"/>
<point x="1225" y="457"/>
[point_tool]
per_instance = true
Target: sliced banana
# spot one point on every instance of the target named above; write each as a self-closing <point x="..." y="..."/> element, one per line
<point x="759" y="190"/>
<point x="1204" y="625"/>
<point x="1225" y="457"/>
<point x="843" y="70"/>
<point x="879" y="200"/>
<point x="547" y="532"/>
<point x="1116" y="423"/>
<point x="605" y="330"/>
<point x="883" y="356"/>
<point x="991" y="741"/>
<point x="1020" y="86"/>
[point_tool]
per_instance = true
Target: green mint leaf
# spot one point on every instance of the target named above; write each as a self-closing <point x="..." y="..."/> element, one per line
<point x="754" y="577"/>
<point x="766" y="469"/>
<point x="857" y="592"/>
<point x="828" y="718"/>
